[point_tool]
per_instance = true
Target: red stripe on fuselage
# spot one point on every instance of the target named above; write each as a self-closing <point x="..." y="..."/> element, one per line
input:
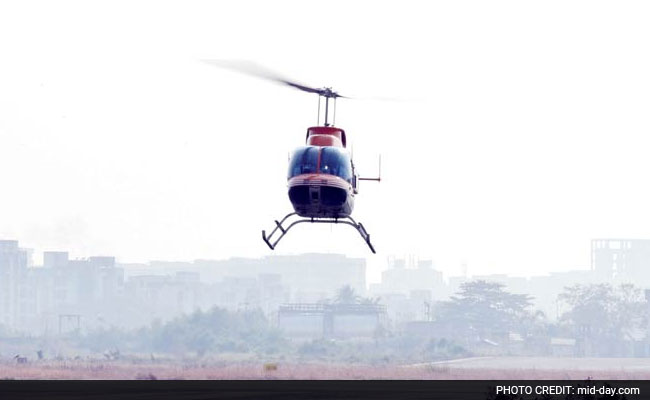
<point x="320" y="180"/>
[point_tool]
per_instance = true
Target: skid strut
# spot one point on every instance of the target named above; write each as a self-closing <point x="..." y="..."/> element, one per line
<point x="283" y="231"/>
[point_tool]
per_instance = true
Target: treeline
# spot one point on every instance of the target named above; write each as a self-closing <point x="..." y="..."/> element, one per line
<point x="214" y="331"/>
<point x="601" y="314"/>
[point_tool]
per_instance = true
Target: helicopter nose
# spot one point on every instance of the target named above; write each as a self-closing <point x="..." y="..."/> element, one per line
<point x="314" y="194"/>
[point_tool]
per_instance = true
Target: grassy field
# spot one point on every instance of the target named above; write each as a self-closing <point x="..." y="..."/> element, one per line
<point x="475" y="368"/>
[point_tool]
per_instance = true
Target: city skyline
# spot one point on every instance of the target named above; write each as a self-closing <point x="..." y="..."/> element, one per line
<point x="374" y="269"/>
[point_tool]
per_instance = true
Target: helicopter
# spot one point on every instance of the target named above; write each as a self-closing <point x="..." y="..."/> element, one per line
<point x="322" y="179"/>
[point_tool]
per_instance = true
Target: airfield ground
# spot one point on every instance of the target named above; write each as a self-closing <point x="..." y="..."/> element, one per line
<point x="470" y="368"/>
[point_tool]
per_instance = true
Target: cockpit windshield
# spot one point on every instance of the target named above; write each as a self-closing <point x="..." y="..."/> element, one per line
<point x="333" y="161"/>
<point x="303" y="161"/>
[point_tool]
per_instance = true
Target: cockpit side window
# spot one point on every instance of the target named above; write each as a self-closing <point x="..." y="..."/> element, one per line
<point x="303" y="161"/>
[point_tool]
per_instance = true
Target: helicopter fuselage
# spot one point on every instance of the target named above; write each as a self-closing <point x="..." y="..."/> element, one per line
<point x="321" y="177"/>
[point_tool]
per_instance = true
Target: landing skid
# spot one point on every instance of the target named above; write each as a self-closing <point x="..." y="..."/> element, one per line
<point x="344" y="220"/>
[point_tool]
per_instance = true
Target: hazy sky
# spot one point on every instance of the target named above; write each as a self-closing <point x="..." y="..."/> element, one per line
<point x="528" y="135"/>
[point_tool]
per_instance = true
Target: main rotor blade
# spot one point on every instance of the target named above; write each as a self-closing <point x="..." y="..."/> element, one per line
<point x="258" y="71"/>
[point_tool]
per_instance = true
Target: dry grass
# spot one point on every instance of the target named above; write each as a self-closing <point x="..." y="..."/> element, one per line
<point x="105" y="370"/>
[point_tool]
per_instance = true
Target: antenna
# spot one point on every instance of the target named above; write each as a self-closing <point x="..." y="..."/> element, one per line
<point x="378" y="179"/>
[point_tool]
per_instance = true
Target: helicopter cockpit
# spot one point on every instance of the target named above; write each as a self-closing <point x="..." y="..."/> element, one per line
<point x="333" y="161"/>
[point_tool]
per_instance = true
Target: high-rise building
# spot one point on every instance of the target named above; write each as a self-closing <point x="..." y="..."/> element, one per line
<point x="399" y="279"/>
<point x="55" y="259"/>
<point x="13" y="274"/>
<point x="621" y="259"/>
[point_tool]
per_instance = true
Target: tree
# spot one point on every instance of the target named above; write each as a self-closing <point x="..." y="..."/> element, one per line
<point x="483" y="308"/>
<point x="346" y="295"/>
<point x="603" y="312"/>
